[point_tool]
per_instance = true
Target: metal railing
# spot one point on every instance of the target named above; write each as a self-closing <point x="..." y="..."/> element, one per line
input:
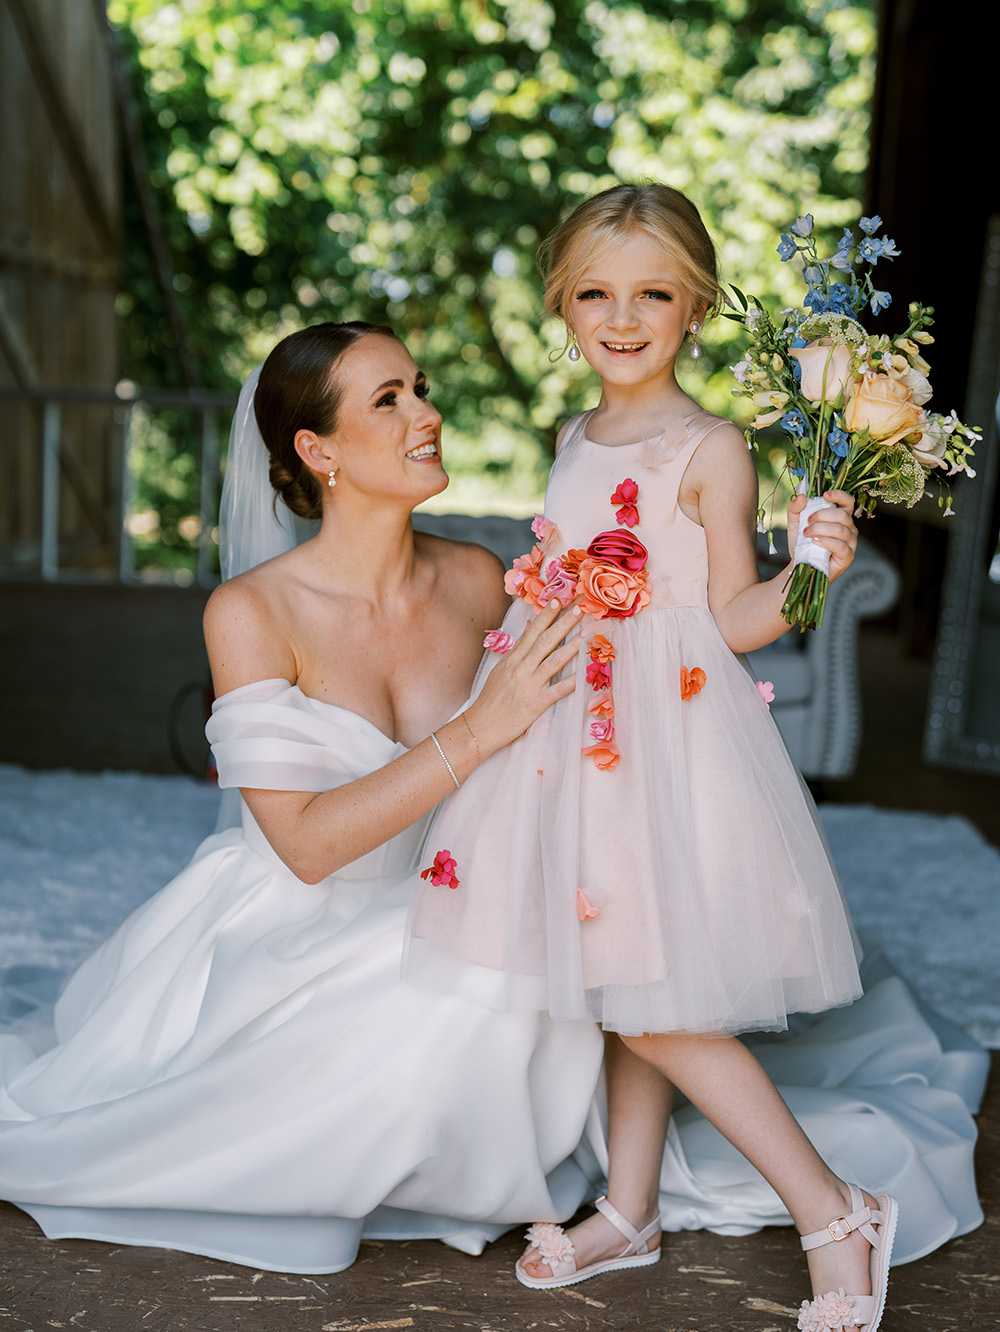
<point x="208" y="409"/>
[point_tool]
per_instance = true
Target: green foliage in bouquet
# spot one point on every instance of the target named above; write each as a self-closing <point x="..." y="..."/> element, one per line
<point x="851" y="402"/>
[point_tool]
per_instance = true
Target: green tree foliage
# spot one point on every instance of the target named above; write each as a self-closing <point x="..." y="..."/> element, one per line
<point x="399" y="160"/>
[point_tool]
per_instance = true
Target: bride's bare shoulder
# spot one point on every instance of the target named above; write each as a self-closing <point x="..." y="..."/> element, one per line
<point x="472" y="573"/>
<point x="243" y="630"/>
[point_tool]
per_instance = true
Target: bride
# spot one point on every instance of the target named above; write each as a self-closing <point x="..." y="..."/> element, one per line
<point x="238" y="1071"/>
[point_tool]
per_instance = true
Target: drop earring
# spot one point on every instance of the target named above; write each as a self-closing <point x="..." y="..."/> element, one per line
<point x="574" y="351"/>
<point x="333" y="478"/>
<point x="694" y="328"/>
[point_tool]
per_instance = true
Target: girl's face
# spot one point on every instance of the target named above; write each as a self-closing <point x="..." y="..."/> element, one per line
<point x="630" y="312"/>
<point x="388" y="436"/>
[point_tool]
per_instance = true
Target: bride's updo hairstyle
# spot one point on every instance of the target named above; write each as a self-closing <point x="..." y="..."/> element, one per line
<point x="298" y="390"/>
<point x="604" y="222"/>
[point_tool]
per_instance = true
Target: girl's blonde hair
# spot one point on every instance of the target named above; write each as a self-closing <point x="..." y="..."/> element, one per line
<point x="668" y="217"/>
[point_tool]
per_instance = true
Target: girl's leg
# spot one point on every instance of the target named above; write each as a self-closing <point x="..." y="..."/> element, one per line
<point x="639" y="1103"/>
<point x="722" y="1078"/>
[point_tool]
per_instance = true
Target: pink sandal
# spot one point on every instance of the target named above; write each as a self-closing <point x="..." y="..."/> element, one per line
<point x="835" y="1311"/>
<point x="556" y="1249"/>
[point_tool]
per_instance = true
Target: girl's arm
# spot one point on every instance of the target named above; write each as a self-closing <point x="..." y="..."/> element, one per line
<point x="316" y="834"/>
<point x="747" y="611"/>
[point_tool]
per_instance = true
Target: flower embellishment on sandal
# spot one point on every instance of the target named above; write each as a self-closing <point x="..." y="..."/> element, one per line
<point x="627" y="512"/>
<point x="551" y="1241"/>
<point x="442" y="872"/>
<point x="692" y="682"/>
<point x="828" y="1313"/>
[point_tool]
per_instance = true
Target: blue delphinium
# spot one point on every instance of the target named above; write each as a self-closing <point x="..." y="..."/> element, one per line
<point x="871" y="249"/>
<point x="786" y="248"/>
<point x="839" y="441"/>
<point x="794" y="423"/>
<point x="802" y="226"/>
<point x="881" y="300"/>
<point x="869" y="225"/>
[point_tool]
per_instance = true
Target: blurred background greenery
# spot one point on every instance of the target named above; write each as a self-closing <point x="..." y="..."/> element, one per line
<point x="400" y="160"/>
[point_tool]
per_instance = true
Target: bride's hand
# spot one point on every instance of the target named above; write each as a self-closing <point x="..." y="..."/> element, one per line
<point x="521" y="686"/>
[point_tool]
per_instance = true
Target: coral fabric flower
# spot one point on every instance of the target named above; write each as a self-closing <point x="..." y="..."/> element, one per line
<point x="602" y="730"/>
<point x="602" y="706"/>
<point x="601" y="649"/>
<point x="609" y="592"/>
<point x="499" y="642"/>
<point x="442" y="872"/>
<point x="572" y="560"/>
<point x="560" y="585"/>
<point x="766" y="690"/>
<point x="524" y="567"/>
<point x="626" y="496"/>
<point x="692" y="681"/>
<point x="605" y="755"/>
<point x="598" y="675"/>
<point x="621" y="549"/>
<point x="584" y="909"/>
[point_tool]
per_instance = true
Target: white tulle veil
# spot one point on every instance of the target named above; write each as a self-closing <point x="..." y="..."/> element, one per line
<point x="254" y="524"/>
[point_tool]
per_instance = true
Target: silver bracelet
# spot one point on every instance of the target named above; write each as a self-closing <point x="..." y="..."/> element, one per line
<point x="437" y="744"/>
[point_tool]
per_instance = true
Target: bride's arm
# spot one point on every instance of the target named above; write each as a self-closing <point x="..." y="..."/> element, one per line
<point x="316" y="834"/>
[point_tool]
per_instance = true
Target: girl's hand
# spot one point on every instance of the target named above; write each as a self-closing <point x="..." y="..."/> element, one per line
<point x="523" y="684"/>
<point x="831" y="528"/>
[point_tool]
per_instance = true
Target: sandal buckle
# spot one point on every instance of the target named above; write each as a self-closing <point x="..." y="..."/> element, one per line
<point x="840" y="1228"/>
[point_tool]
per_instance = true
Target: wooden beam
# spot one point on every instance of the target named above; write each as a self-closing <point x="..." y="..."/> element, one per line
<point x="63" y="125"/>
<point x="15" y="349"/>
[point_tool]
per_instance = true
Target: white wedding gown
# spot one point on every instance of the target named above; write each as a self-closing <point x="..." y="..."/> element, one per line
<point x="239" y="1071"/>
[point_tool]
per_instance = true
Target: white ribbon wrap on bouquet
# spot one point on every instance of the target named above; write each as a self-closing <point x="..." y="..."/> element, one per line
<point x="807" y="550"/>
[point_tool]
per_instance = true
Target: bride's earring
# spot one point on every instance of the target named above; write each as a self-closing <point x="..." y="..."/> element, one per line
<point x="694" y="328"/>
<point x="574" y="351"/>
<point x="333" y="478"/>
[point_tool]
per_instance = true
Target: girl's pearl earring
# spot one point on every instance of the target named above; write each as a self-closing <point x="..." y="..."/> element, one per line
<point x="694" y="328"/>
<point x="333" y="478"/>
<point x="574" y="351"/>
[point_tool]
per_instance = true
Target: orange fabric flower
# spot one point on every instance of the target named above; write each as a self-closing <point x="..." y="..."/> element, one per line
<point x="524" y="579"/>
<point x="602" y="705"/>
<point x="692" y="681"/>
<point x="572" y="560"/>
<point x="608" y="592"/>
<point x="600" y="649"/>
<point x="584" y="909"/>
<point x="605" y="755"/>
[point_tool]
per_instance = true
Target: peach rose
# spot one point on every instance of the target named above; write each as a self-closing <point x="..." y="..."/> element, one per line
<point x="605" y="755"/>
<point x="884" y="407"/>
<point x="819" y="358"/>
<point x="608" y="592"/>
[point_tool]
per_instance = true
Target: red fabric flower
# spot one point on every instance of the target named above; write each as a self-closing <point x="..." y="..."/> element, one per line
<point x="442" y="872"/>
<point x="621" y="549"/>
<point x="598" y="675"/>
<point x="692" y="681"/>
<point x="626" y="496"/>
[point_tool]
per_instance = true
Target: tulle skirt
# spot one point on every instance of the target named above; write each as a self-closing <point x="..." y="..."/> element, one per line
<point x="686" y="889"/>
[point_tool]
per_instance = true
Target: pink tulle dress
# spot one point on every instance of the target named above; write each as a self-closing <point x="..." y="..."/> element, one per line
<point x="646" y="856"/>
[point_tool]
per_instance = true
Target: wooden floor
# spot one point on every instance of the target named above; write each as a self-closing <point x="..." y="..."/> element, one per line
<point x="703" y="1284"/>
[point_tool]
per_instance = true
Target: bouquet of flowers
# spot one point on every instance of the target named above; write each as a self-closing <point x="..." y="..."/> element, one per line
<point x="850" y="402"/>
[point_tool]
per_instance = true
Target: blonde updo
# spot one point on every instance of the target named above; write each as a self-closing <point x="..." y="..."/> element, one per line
<point x="298" y="390"/>
<point x="668" y="217"/>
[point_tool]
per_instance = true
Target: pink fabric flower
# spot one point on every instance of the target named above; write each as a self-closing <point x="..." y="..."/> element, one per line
<point x="561" y="586"/>
<point x="621" y="549"/>
<point x="442" y="872"/>
<point x="598" y="675"/>
<point x="499" y="642"/>
<point x="625" y="496"/>
<point x="584" y="909"/>
<point x="542" y="527"/>
<point x="602" y="730"/>
<point x="766" y="690"/>
<point x="605" y="755"/>
<point x="831" y="1312"/>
